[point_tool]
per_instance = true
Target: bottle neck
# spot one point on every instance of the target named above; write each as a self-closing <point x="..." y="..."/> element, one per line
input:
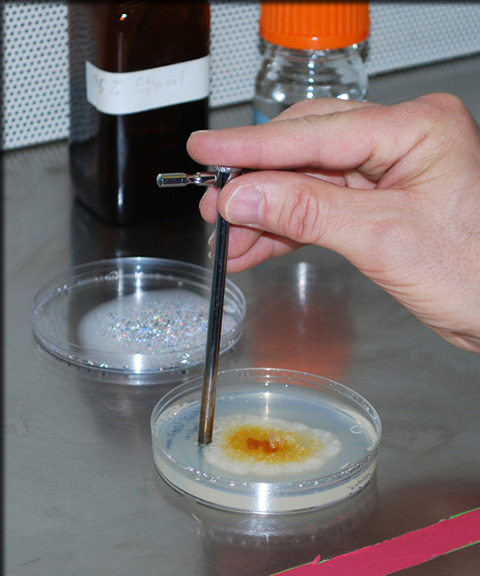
<point x="309" y="57"/>
<point x="289" y="75"/>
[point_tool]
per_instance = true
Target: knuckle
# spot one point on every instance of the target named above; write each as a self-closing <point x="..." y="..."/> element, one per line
<point x="444" y="108"/>
<point x="444" y="101"/>
<point x="305" y="217"/>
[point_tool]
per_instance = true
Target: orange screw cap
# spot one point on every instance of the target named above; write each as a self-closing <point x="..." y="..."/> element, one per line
<point x="314" y="25"/>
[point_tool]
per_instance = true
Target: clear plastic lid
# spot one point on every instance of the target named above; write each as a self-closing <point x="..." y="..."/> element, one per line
<point x="283" y="441"/>
<point x="140" y="320"/>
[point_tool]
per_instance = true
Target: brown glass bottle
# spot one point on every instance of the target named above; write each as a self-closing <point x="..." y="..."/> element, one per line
<point x="115" y="156"/>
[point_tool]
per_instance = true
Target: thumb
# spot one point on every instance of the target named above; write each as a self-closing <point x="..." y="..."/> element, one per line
<point x="309" y="210"/>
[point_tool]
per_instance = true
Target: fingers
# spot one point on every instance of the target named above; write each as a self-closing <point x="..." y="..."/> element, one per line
<point x="246" y="253"/>
<point x="306" y="210"/>
<point x="265" y="146"/>
<point x="320" y="107"/>
<point x="330" y="135"/>
<point x="208" y="205"/>
<point x="241" y="240"/>
<point x="274" y="212"/>
<point x="247" y="246"/>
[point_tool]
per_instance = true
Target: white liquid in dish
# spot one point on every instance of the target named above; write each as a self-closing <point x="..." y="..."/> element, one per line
<point x="245" y="444"/>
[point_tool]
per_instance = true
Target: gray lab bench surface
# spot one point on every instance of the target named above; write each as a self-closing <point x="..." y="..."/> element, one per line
<point x="82" y="497"/>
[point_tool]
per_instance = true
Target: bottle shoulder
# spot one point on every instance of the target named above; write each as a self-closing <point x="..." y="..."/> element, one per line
<point x="289" y="76"/>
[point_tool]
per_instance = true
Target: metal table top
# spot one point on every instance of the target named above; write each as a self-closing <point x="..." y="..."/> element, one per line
<point x="82" y="496"/>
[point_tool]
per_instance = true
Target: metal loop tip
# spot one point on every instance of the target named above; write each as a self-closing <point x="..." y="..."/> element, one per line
<point x="175" y="179"/>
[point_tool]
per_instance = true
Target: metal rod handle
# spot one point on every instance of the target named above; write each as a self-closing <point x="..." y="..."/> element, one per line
<point x="219" y="177"/>
<point x="214" y="333"/>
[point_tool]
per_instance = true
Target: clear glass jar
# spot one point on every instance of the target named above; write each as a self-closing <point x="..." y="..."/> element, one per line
<point x="288" y="75"/>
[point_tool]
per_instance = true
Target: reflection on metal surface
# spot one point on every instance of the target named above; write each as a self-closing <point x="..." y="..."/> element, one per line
<point x="296" y="321"/>
<point x="83" y="450"/>
<point x="183" y="238"/>
<point x="302" y="282"/>
<point x="261" y="545"/>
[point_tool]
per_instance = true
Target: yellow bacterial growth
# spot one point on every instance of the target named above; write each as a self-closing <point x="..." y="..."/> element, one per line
<point x="260" y="448"/>
<point x="269" y="444"/>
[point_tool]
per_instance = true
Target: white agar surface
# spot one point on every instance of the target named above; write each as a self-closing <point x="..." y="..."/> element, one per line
<point x="168" y="322"/>
<point x="192" y="469"/>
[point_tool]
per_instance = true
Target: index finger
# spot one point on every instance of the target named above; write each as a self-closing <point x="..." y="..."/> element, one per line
<point x="332" y="136"/>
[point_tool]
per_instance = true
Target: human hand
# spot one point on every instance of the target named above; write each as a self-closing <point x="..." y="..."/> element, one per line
<point x="394" y="189"/>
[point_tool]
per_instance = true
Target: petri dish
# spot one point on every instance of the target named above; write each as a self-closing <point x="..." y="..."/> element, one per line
<point x="138" y="320"/>
<point x="328" y="433"/>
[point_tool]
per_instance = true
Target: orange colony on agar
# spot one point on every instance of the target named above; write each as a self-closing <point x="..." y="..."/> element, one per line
<point x="248" y="444"/>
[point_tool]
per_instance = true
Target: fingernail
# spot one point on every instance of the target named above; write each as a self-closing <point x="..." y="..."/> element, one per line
<point x="245" y="206"/>
<point x="202" y="132"/>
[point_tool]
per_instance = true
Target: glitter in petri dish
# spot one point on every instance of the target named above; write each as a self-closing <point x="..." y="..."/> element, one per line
<point x="171" y="321"/>
<point x="247" y="444"/>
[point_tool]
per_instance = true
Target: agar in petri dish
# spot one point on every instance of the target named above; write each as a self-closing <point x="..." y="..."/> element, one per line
<point x="171" y="322"/>
<point x="138" y="320"/>
<point x="250" y="445"/>
<point x="283" y="441"/>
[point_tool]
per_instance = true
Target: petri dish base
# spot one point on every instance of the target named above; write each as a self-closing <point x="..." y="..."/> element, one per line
<point x="135" y="320"/>
<point x="283" y="441"/>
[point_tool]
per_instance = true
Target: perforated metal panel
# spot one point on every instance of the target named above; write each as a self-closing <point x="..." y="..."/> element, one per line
<point x="35" y="64"/>
<point x="35" y="72"/>
<point x="405" y="34"/>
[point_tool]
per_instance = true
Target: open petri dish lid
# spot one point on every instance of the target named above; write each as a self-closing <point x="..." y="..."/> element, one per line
<point x="283" y="441"/>
<point x="138" y="320"/>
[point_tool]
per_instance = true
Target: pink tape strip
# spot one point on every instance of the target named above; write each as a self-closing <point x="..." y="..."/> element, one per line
<point x="400" y="553"/>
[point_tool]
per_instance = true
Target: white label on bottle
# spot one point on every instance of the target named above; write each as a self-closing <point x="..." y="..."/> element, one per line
<point x="131" y="92"/>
